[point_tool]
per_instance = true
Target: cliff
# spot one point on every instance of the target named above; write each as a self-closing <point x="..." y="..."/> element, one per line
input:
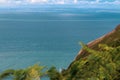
<point x="111" y="39"/>
<point x="101" y="64"/>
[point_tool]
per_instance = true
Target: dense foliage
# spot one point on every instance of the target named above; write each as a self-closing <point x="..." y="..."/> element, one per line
<point x="54" y="74"/>
<point x="98" y="65"/>
<point x="30" y="73"/>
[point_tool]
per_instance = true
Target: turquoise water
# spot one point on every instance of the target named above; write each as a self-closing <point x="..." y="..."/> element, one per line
<point x="49" y="38"/>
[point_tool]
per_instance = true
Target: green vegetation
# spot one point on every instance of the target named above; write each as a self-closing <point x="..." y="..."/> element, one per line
<point x="54" y="74"/>
<point x="111" y="39"/>
<point x="98" y="65"/>
<point x="31" y="73"/>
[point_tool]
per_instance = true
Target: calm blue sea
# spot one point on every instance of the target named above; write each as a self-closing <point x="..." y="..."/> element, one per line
<point x="49" y="38"/>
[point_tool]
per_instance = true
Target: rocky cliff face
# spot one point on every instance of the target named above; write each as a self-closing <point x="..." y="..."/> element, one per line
<point x="112" y="39"/>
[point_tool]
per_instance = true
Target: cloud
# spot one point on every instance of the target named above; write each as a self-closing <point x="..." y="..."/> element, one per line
<point x="38" y="1"/>
<point x="116" y="2"/>
<point x="12" y="2"/>
<point x="83" y="3"/>
<point x="66" y="1"/>
<point x="3" y="1"/>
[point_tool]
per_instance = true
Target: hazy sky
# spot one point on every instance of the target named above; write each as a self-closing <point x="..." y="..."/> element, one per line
<point x="4" y="2"/>
<point x="85" y="3"/>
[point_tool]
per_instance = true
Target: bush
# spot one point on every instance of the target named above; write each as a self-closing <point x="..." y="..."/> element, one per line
<point x="98" y="65"/>
<point x="31" y="73"/>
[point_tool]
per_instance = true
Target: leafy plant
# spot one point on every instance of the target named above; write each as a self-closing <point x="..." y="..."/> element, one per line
<point x="98" y="65"/>
<point x="54" y="74"/>
<point x="31" y="73"/>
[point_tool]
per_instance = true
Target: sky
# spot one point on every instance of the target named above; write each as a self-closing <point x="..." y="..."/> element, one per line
<point x="79" y="3"/>
<point x="14" y="2"/>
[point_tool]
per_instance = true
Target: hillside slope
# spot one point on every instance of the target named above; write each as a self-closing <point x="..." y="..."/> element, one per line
<point x="111" y="39"/>
<point x="98" y="60"/>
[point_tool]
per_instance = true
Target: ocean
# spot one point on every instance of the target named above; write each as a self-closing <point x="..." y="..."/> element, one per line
<point x="49" y="38"/>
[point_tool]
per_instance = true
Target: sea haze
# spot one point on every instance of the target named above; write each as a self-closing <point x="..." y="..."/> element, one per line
<point x="51" y="38"/>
